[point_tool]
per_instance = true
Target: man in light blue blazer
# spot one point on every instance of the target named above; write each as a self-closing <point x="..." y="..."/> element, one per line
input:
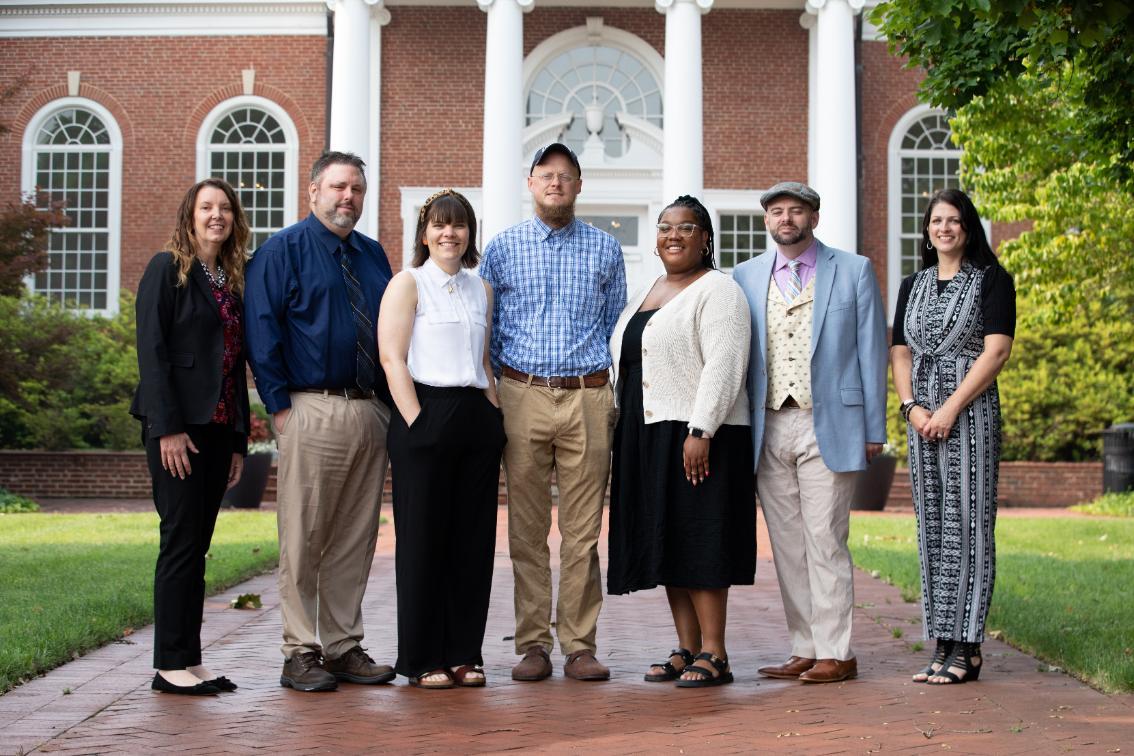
<point x="817" y="388"/>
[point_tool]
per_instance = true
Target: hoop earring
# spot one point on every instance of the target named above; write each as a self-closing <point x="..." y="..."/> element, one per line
<point x="657" y="252"/>
<point x="928" y="245"/>
<point x="705" y="252"/>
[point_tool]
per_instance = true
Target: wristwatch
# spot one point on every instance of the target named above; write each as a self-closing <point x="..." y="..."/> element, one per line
<point x="697" y="432"/>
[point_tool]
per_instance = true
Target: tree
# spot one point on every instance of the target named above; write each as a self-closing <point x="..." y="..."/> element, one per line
<point x="24" y="228"/>
<point x="1044" y="95"/>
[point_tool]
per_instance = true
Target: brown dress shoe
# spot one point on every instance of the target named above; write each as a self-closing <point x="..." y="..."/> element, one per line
<point x="582" y="665"/>
<point x="789" y="670"/>
<point x="535" y="666"/>
<point x="830" y="670"/>
<point x="304" y="671"/>
<point x="356" y="666"/>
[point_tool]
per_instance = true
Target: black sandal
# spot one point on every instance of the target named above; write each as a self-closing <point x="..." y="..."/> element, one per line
<point x="671" y="672"/>
<point x="965" y="657"/>
<point x="705" y="677"/>
<point x="944" y="648"/>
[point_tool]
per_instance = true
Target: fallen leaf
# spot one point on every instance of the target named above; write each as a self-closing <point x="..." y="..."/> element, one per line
<point x="247" y="601"/>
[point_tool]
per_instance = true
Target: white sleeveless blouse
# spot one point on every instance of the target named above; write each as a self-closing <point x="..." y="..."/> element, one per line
<point x="449" y="328"/>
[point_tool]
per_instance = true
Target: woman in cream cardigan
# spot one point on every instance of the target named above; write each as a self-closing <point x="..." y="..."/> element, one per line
<point x="682" y="502"/>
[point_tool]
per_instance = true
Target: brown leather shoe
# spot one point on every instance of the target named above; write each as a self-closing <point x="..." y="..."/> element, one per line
<point x="356" y="666"/>
<point x="304" y="671"/>
<point x="830" y="670"/>
<point x="789" y="670"/>
<point x="582" y="665"/>
<point x="535" y="666"/>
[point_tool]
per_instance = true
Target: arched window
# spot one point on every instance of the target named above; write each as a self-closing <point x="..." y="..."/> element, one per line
<point x="251" y="144"/>
<point x="599" y="79"/>
<point x="72" y="154"/>
<point x="923" y="159"/>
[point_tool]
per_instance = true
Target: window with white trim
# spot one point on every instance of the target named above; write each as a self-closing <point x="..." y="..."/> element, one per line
<point x="599" y="78"/>
<point x="740" y="237"/>
<point x="249" y="148"/>
<point x="929" y="162"/>
<point x="72" y="163"/>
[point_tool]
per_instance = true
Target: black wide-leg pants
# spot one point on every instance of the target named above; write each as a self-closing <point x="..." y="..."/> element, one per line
<point x="446" y="472"/>
<point x="188" y="511"/>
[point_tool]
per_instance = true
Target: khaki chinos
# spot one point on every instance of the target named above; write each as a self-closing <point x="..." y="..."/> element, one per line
<point x="331" y="469"/>
<point x="569" y="431"/>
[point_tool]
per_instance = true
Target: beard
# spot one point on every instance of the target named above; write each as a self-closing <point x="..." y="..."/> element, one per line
<point x="555" y="216"/>
<point x="791" y="235"/>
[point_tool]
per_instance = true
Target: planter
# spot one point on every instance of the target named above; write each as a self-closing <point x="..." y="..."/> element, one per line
<point x="872" y="486"/>
<point x="247" y="493"/>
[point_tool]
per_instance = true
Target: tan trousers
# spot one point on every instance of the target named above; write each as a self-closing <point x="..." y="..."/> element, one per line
<point x="570" y="431"/>
<point x="807" y="507"/>
<point x="331" y="468"/>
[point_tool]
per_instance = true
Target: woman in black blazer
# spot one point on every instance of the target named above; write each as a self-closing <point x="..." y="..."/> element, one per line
<point x="192" y="399"/>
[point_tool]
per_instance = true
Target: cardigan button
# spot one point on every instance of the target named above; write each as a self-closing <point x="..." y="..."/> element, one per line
<point x="645" y="384"/>
<point x="648" y="413"/>
<point x="643" y="351"/>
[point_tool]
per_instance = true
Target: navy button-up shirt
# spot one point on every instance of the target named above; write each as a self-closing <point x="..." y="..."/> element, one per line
<point x="299" y="328"/>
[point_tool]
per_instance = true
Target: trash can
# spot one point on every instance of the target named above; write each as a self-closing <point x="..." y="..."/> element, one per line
<point x="1118" y="458"/>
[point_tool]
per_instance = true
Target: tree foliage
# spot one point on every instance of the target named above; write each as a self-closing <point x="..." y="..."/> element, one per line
<point x="1044" y="100"/>
<point x="24" y="227"/>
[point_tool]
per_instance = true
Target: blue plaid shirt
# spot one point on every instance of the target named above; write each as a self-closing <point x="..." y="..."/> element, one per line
<point x="558" y="293"/>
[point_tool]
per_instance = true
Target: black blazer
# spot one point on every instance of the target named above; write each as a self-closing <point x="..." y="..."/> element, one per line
<point x="181" y="354"/>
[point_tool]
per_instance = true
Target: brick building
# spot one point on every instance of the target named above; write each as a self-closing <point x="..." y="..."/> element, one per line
<point x="121" y="106"/>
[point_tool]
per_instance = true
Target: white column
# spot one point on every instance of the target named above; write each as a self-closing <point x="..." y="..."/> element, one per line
<point x="807" y="21"/>
<point x="683" y="161"/>
<point x="834" y="171"/>
<point x="504" y="169"/>
<point x="379" y="18"/>
<point x="350" y="83"/>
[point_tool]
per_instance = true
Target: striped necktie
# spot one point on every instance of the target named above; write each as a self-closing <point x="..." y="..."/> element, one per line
<point x="794" y="283"/>
<point x="364" y="338"/>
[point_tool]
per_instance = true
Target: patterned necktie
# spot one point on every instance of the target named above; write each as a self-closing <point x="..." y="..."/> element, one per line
<point x="364" y="337"/>
<point x="794" y="283"/>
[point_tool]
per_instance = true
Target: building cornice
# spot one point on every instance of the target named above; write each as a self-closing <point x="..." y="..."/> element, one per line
<point x="86" y="18"/>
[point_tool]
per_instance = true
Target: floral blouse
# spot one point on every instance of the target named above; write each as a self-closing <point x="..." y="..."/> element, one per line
<point x="225" y="413"/>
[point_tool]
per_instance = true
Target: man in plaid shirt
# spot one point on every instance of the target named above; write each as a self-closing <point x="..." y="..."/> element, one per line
<point x="560" y="285"/>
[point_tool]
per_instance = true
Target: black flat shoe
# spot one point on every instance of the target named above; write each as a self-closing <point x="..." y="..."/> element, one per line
<point x="200" y="689"/>
<point x="222" y="683"/>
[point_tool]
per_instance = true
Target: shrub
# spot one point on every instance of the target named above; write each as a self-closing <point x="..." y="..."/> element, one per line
<point x="1110" y="505"/>
<point x="11" y="503"/>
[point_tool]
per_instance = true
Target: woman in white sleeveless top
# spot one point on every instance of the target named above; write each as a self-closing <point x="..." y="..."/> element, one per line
<point x="446" y="437"/>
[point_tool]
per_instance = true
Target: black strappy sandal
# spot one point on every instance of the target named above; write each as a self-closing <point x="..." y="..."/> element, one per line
<point x="965" y="657"/>
<point x="671" y="672"/>
<point x="705" y="678"/>
<point x="944" y="648"/>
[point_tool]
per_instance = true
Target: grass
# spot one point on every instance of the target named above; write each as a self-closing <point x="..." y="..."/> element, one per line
<point x="1110" y="505"/>
<point x="1062" y="587"/>
<point x="73" y="582"/>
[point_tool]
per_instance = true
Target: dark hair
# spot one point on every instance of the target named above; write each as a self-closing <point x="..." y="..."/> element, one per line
<point x="977" y="249"/>
<point x="445" y="206"/>
<point x="331" y="157"/>
<point x="233" y="253"/>
<point x="704" y="220"/>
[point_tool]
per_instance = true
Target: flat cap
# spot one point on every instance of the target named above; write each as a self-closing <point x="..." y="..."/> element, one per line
<point x="792" y="189"/>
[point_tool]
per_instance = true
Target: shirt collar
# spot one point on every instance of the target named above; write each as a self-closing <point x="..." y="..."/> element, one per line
<point x="546" y="232"/>
<point x="806" y="260"/>
<point x="438" y="277"/>
<point x="327" y="239"/>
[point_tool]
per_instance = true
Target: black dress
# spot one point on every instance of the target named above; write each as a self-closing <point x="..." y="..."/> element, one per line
<point x="664" y="530"/>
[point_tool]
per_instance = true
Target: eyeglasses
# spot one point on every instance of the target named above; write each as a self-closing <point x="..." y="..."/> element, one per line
<point x="685" y="229"/>
<point x="547" y="178"/>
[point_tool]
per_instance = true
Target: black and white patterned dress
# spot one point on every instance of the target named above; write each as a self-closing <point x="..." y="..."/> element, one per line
<point x="954" y="480"/>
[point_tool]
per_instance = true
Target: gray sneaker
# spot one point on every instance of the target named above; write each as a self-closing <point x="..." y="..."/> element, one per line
<point x="356" y="666"/>
<point x="304" y="672"/>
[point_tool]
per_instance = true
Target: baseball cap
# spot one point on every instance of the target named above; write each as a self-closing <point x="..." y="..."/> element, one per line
<point x="555" y="148"/>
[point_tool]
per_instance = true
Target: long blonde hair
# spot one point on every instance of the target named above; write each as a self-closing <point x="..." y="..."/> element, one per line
<point x="233" y="253"/>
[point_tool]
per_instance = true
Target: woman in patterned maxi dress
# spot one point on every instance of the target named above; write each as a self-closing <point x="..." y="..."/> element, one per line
<point x="953" y="332"/>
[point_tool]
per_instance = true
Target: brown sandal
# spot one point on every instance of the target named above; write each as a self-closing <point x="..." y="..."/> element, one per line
<point x="421" y="682"/>
<point x="461" y="676"/>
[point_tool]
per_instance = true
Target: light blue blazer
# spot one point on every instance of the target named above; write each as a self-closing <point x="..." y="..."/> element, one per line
<point x="848" y="354"/>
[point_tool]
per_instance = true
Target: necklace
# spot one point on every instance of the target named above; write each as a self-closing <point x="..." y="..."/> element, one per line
<point x="219" y="280"/>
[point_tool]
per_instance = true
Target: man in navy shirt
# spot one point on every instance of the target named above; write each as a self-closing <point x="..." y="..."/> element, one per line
<point x="311" y="301"/>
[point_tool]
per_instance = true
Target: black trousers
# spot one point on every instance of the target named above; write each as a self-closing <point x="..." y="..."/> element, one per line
<point x="446" y="470"/>
<point x="188" y="511"/>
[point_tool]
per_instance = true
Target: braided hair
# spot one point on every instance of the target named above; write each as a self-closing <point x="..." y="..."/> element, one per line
<point x="704" y="220"/>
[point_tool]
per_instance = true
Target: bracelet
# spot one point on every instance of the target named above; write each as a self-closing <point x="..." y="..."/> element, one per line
<point x="907" y="407"/>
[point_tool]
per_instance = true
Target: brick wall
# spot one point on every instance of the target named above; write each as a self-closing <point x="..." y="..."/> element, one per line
<point x="159" y="90"/>
<point x="1027" y="484"/>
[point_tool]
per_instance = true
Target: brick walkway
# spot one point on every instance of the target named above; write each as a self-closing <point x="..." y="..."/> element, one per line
<point x="1015" y="708"/>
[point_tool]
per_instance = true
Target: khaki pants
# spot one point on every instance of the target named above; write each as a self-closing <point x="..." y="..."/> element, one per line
<point x="570" y="431"/>
<point x="807" y="507"/>
<point x="329" y="494"/>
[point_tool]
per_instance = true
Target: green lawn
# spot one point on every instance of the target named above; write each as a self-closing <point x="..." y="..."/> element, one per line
<point x="1062" y="587"/>
<point x="70" y="583"/>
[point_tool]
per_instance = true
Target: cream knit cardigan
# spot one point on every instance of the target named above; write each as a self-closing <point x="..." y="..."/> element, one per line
<point x="694" y="354"/>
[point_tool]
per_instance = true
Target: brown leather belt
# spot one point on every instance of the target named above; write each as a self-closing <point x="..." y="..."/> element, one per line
<point x="591" y="380"/>
<point x="345" y="393"/>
